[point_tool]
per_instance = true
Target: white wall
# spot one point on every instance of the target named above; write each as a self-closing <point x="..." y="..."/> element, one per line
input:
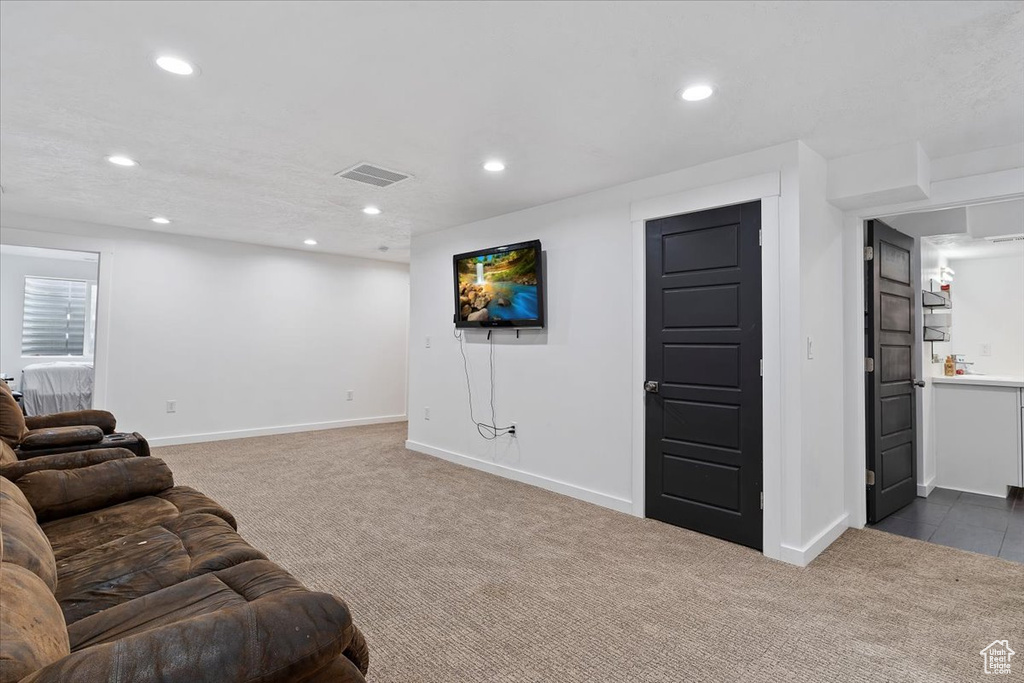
<point x="988" y="308"/>
<point x="570" y="388"/>
<point x="821" y="316"/>
<point x="246" y="339"/>
<point x="13" y="270"/>
<point x="567" y="387"/>
<point x="931" y="262"/>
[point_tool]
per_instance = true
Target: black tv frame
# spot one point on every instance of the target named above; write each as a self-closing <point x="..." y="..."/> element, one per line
<point x="524" y="324"/>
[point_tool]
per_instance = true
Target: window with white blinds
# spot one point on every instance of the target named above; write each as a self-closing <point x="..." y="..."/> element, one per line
<point x="55" y="318"/>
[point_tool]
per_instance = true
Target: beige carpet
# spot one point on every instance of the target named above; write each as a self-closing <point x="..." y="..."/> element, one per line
<point x="456" y="575"/>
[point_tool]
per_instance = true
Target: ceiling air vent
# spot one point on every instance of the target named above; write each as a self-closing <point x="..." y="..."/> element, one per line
<point x="373" y="175"/>
<point x="1007" y="238"/>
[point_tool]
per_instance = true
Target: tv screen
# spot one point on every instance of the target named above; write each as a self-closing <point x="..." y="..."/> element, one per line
<point x="500" y="287"/>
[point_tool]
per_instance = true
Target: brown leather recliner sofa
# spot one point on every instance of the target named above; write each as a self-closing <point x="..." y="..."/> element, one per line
<point x="62" y="432"/>
<point x="110" y="572"/>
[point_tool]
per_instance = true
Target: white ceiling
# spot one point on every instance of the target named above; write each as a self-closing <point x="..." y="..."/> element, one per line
<point x="961" y="232"/>
<point x="574" y="96"/>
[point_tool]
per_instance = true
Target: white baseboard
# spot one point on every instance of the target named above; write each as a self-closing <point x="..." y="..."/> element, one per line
<point x="267" y="431"/>
<point x="602" y="499"/>
<point x="926" y="488"/>
<point x="802" y="557"/>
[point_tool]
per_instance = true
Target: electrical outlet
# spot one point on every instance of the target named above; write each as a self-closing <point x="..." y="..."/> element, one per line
<point x="172" y="406"/>
<point x="513" y="429"/>
<point x="428" y="342"/>
<point x="986" y="350"/>
<point x="810" y="349"/>
<point x="350" y="395"/>
<point x="426" y="413"/>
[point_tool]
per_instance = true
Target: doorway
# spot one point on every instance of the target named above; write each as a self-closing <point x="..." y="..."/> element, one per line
<point x="889" y="315"/>
<point x="703" y="407"/>
<point x="968" y="366"/>
<point x="48" y="314"/>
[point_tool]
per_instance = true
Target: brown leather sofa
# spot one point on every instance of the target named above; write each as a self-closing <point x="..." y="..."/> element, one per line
<point x="62" y="432"/>
<point x="110" y="572"/>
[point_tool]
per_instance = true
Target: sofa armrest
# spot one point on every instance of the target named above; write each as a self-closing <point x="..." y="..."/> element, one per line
<point x="62" y="493"/>
<point x="63" y="461"/>
<point x="278" y="639"/>
<point x="57" y="437"/>
<point x="97" y="418"/>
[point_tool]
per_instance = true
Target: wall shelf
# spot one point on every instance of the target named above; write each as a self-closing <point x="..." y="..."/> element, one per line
<point x="935" y="299"/>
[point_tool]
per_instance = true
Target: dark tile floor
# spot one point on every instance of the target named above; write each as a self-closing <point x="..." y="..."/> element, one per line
<point x="981" y="524"/>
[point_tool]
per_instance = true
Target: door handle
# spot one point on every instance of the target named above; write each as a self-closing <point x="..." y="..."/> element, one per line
<point x="651" y="387"/>
<point x="919" y="383"/>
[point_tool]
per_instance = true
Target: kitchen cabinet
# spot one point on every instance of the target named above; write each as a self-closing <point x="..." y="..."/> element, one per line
<point x="979" y="433"/>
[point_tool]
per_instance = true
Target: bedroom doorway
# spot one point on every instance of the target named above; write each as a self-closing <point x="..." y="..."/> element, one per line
<point x="48" y="316"/>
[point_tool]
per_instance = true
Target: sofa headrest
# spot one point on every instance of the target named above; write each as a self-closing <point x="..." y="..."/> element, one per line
<point x="7" y="454"/>
<point x="35" y="634"/>
<point x="22" y="541"/>
<point x="12" y="420"/>
<point x="62" y="493"/>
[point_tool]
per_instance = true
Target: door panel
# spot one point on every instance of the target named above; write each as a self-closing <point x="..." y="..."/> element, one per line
<point x="703" y="428"/>
<point x="702" y="307"/>
<point x="889" y="330"/>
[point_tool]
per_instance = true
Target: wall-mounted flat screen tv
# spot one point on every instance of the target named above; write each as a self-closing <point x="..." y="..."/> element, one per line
<point x="500" y="287"/>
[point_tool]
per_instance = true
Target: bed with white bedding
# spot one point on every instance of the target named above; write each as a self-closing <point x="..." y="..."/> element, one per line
<point x="56" y="387"/>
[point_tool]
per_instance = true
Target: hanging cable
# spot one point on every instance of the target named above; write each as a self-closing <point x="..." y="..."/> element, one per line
<point x="486" y="431"/>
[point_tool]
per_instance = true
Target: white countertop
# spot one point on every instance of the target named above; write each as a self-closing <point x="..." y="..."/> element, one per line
<point x="982" y="380"/>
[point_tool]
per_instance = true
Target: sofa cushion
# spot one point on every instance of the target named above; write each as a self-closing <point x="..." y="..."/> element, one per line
<point x="276" y="639"/>
<point x="146" y="561"/>
<point x="34" y="633"/>
<point x="23" y="542"/>
<point x="55" y="437"/>
<point x="103" y="419"/>
<point x="204" y="594"/>
<point x="61" y="493"/>
<point x="12" y="420"/>
<point x="72" y="535"/>
<point x="61" y="461"/>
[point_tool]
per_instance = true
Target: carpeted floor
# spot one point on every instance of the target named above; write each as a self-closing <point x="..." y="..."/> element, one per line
<point x="456" y="575"/>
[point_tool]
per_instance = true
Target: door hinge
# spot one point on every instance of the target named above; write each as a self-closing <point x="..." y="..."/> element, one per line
<point x="762" y="500"/>
<point x="870" y="478"/>
<point x="869" y="365"/>
<point x="761" y="366"/>
<point x="759" y="238"/>
<point x="869" y="253"/>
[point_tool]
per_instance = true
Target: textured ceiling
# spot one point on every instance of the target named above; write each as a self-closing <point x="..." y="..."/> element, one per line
<point x="574" y="96"/>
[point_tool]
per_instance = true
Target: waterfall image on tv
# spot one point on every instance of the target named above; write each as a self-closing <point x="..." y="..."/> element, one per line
<point x="500" y="287"/>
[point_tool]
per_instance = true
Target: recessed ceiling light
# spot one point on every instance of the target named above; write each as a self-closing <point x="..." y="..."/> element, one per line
<point x="696" y="93"/>
<point x="161" y="220"/>
<point x="494" y="166"/>
<point x="119" y="160"/>
<point x="175" y="65"/>
<point x="371" y="210"/>
<point x="309" y="242"/>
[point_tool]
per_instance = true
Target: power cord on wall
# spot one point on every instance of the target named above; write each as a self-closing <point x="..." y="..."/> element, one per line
<point x="487" y="431"/>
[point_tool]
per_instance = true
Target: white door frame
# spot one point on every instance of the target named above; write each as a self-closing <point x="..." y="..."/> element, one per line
<point x="947" y="194"/>
<point x="104" y="287"/>
<point x="767" y="189"/>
